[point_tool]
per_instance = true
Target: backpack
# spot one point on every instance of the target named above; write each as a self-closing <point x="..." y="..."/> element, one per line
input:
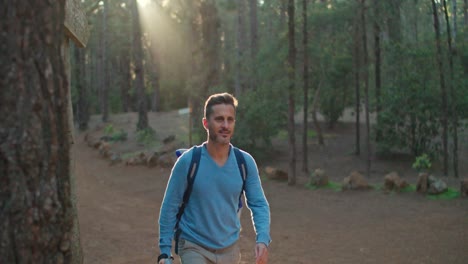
<point x="191" y="175"/>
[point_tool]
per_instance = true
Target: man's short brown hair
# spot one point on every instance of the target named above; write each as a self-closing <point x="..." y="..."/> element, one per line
<point x="219" y="98"/>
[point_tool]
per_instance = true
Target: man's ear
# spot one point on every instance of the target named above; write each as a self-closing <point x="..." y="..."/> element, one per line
<point x="205" y="123"/>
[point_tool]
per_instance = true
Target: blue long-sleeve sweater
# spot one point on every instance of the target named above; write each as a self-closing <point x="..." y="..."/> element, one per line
<point x="210" y="217"/>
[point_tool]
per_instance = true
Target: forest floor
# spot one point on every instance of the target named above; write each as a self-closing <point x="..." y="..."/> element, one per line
<point x="118" y="206"/>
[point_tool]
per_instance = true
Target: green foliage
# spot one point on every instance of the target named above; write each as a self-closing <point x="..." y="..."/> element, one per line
<point x="410" y="118"/>
<point x="115" y="135"/>
<point x="448" y="195"/>
<point x="331" y="185"/>
<point x="409" y="188"/>
<point x="109" y="130"/>
<point x="422" y="163"/>
<point x="146" y="137"/>
<point x="257" y="122"/>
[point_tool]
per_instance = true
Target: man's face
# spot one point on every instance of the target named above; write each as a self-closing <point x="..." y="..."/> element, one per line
<point x="220" y="124"/>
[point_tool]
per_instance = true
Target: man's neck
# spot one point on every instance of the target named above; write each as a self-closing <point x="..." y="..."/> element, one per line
<point x="218" y="152"/>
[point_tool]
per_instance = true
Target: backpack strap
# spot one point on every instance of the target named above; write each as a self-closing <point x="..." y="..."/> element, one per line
<point x="191" y="174"/>
<point x="243" y="172"/>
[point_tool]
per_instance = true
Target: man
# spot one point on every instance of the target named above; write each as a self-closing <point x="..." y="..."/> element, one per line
<point x="209" y="226"/>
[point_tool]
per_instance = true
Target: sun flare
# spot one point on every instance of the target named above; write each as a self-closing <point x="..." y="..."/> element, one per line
<point x="143" y="3"/>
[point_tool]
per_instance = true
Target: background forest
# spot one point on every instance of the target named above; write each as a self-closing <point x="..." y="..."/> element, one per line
<point x="403" y="63"/>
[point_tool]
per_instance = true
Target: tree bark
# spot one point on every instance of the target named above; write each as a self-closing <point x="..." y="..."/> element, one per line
<point x="139" y="71"/>
<point x="291" y="104"/>
<point x="253" y="43"/>
<point x="305" y="160"/>
<point x="465" y="12"/>
<point x="154" y="77"/>
<point x="443" y="89"/>
<point x="36" y="216"/>
<point x="126" y="79"/>
<point x="453" y="98"/>
<point x="314" y="115"/>
<point x="366" y="83"/>
<point x="377" y="63"/>
<point x="357" y="67"/>
<point x="240" y="84"/>
<point x="82" y="89"/>
<point x="105" y="72"/>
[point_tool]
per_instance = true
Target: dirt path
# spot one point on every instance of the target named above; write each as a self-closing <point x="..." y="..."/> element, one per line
<point x="118" y="210"/>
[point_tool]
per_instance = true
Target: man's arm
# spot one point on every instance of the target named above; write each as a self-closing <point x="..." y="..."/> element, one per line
<point x="257" y="202"/>
<point x="172" y="199"/>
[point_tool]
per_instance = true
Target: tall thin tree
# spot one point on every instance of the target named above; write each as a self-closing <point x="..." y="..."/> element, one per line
<point x="305" y="74"/>
<point x="357" y="66"/>
<point x="291" y="102"/>
<point x="139" y="70"/>
<point x="365" y="67"/>
<point x="253" y="42"/>
<point x="240" y="83"/>
<point x="443" y="89"/>
<point x="453" y="98"/>
<point x="82" y="112"/>
<point x="104" y="63"/>
<point x="377" y="62"/>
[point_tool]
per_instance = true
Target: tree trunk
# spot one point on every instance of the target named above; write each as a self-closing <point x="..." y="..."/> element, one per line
<point x="366" y="83"/>
<point x="241" y="48"/>
<point x="82" y="89"/>
<point x="211" y="44"/>
<point x="453" y="98"/>
<point x="291" y="104"/>
<point x="465" y="13"/>
<point x="105" y="74"/>
<point x="357" y="86"/>
<point x="253" y="43"/>
<point x="125" y="80"/>
<point x="394" y="23"/>
<point x="314" y="115"/>
<point x="36" y="218"/>
<point x="443" y="89"/>
<point x="454" y="28"/>
<point x="378" y="82"/>
<point x="139" y="72"/>
<point x="154" y="77"/>
<point x="305" y="160"/>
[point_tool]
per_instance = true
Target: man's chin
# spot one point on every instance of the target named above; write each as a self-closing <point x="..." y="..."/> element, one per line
<point x="224" y="140"/>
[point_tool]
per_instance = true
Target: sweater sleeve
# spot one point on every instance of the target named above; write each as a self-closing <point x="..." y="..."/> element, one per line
<point x="257" y="202"/>
<point x="173" y="197"/>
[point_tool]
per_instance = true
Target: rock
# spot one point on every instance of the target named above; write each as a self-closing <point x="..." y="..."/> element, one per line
<point x="393" y="182"/>
<point x="105" y="150"/>
<point x="167" y="160"/>
<point x="430" y="184"/>
<point x="355" y="181"/>
<point x="152" y="160"/>
<point x="95" y="144"/>
<point x="106" y="138"/>
<point x="130" y="162"/>
<point x="276" y="174"/>
<point x="115" y="158"/>
<point x="437" y="186"/>
<point x="139" y="159"/>
<point x="169" y="139"/>
<point x="319" y="178"/>
<point x="422" y="183"/>
<point x="464" y="188"/>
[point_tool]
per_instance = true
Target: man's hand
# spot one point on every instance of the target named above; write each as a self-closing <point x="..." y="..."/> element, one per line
<point x="261" y="254"/>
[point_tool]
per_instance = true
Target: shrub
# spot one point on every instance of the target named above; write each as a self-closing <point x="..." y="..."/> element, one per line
<point x="146" y="137"/>
<point x="422" y="163"/>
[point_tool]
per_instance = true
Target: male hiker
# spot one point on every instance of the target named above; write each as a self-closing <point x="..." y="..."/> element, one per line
<point x="201" y="201"/>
